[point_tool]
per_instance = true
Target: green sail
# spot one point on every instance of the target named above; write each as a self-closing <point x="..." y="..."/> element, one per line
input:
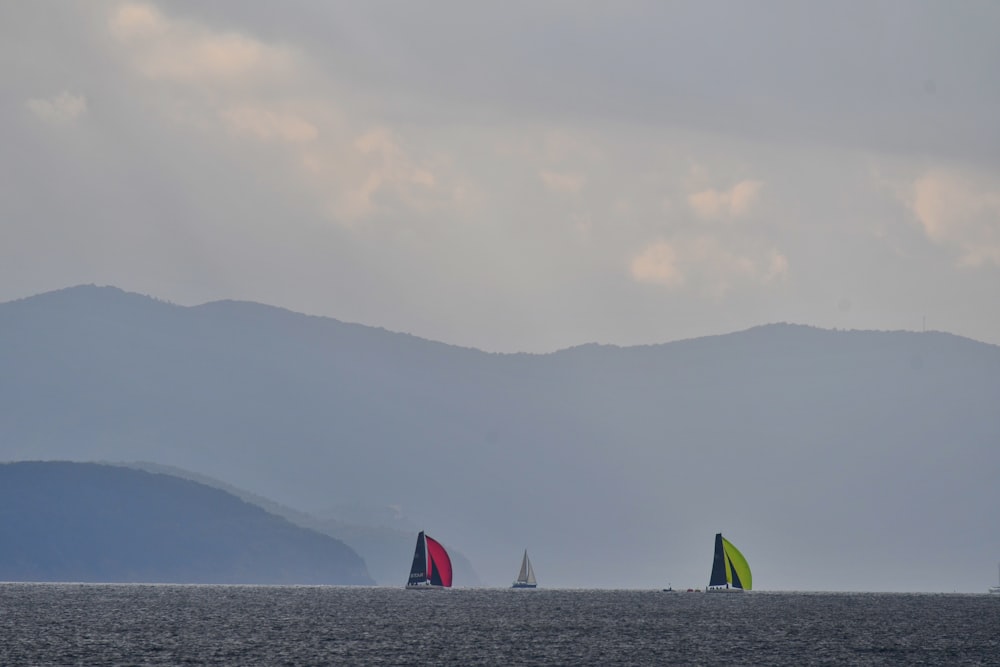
<point x="736" y="561"/>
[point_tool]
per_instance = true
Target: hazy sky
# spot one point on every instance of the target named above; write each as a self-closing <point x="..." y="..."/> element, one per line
<point x="512" y="175"/>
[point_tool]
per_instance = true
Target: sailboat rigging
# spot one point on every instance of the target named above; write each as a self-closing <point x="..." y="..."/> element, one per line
<point x="526" y="577"/>
<point x="431" y="565"/>
<point x="730" y="571"/>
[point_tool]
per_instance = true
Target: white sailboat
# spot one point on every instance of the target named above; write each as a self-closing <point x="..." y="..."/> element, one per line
<point x="996" y="589"/>
<point x="526" y="577"/>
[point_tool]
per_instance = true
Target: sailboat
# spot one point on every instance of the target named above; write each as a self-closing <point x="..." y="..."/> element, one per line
<point x="730" y="571"/>
<point x="526" y="577"/>
<point x="995" y="589"/>
<point x="431" y="565"/>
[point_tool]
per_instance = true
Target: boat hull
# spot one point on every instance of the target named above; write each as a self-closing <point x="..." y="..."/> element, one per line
<point x="523" y="585"/>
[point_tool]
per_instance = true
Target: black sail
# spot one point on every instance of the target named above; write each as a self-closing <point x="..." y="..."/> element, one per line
<point x="718" y="564"/>
<point x="435" y="576"/>
<point x="736" y="577"/>
<point x="418" y="572"/>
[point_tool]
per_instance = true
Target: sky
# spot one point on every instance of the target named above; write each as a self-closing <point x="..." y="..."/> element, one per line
<point x="512" y="176"/>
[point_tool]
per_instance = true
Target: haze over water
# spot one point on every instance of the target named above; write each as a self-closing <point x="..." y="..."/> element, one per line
<point x="524" y="177"/>
<point x="67" y="624"/>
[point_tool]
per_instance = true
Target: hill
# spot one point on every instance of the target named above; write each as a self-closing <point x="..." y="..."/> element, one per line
<point x="62" y="521"/>
<point x="846" y="460"/>
<point x="385" y="541"/>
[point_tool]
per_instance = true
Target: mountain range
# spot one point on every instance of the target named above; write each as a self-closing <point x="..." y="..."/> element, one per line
<point x="85" y="522"/>
<point x="835" y="460"/>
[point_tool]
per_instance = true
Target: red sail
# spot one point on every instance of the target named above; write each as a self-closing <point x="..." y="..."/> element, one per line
<point x="438" y="563"/>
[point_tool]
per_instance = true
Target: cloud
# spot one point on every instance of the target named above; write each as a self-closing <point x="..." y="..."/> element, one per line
<point x="203" y="77"/>
<point x="387" y="175"/>
<point x="959" y="211"/>
<point x="134" y="21"/>
<point x="777" y="267"/>
<point x="188" y="52"/>
<point x="267" y="125"/>
<point x="555" y="181"/>
<point x="726" y="204"/>
<point x="62" y="109"/>
<point x="657" y="264"/>
<point x="706" y="265"/>
<point x="250" y="92"/>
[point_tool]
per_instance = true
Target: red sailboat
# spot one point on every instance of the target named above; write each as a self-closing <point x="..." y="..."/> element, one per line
<point x="431" y="565"/>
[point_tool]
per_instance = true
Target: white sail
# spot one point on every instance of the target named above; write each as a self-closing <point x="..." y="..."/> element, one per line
<point x="526" y="577"/>
<point x="530" y="578"/>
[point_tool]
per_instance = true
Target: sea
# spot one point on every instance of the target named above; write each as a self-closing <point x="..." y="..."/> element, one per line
<point x="132" y="624"/>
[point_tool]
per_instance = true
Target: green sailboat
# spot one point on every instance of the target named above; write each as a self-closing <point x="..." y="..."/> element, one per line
<point x="730" y="571"/>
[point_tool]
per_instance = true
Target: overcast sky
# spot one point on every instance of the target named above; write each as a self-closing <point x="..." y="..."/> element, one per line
<point x="512" y="176"/>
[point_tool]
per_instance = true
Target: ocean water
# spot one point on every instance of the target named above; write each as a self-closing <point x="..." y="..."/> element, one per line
<point x="85" y="624"/>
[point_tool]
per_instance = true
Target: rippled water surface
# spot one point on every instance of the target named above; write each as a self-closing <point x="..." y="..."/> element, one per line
<point x="67" y="624"/>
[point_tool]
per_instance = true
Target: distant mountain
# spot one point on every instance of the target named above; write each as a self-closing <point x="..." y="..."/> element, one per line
<point x="385" y="545"/>
<point x="854" y="460"/>
<point x="62" y="521"/>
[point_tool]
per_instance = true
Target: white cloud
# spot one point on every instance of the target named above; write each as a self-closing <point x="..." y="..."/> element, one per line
<point x="254" y="92"/>
<point x="777" y="266"/>
<point x="742" y="196"/>
<point x="137" y="21"/>
<point x="657" y="264"/>
<point x="555" y="181"/>
<point x="706" y="265"/>
<point x="62" y="109"/>
<point x="384" y="172"/>
<point x="960" y="211"/>
<point x="268" y="125"/>
<point x="735" y="202"/>
<point x="184" y="51"/>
